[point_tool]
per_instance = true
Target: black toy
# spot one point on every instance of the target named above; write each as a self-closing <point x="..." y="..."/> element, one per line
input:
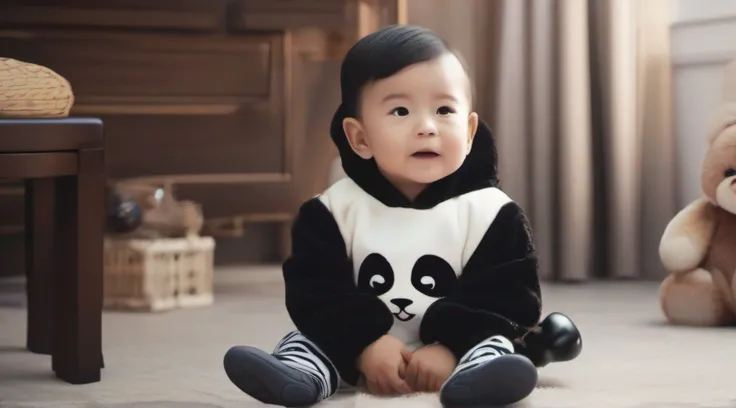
<point x="555" y="339"/>
<point x="124" y="215"/>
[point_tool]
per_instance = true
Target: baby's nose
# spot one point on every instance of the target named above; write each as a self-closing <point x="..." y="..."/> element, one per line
<point x="427" y="128"/>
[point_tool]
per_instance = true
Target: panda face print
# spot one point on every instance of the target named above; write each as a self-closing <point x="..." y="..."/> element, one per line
<point x="407" y="293"/>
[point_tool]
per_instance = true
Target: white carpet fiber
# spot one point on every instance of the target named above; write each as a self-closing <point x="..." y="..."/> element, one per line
<point x="630" y="358"/>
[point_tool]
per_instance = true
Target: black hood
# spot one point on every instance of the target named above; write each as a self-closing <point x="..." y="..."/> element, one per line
<point x="478" y="171"/>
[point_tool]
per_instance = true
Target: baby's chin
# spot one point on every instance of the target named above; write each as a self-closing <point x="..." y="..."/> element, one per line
<point x="423" y="175"/>
<point x="431" y="174"/>
<point x="428" y="177"/>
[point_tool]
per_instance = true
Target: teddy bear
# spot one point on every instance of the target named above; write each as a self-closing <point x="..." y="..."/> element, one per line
<point x="698" y="246"/>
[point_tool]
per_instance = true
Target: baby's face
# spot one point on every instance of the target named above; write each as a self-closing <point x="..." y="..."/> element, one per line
<point x="417" y="124"/>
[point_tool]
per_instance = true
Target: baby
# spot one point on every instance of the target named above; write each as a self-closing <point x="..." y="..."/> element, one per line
<point x="416" y="273"/>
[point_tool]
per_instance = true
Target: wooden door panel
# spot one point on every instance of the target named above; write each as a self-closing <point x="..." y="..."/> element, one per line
<point x="171" y="14"/>
<point x="247" y="141"/>
<point x="288" y="14"/>
<point x="105" y="66"/>
<point x="285" y="7"/>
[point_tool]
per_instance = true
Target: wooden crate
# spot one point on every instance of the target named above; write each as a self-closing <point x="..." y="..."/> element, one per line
<point x="158" y="274"/>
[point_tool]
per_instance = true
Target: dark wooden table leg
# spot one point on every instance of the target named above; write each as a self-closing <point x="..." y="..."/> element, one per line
<point x="80" y="215"/>
<point x="39" y="264"/>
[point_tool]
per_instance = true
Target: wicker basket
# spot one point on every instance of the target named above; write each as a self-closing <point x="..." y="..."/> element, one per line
<point x="158" y="274"/>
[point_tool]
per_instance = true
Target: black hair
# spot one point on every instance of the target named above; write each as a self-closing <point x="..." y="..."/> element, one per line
<point x="383" y="53"/>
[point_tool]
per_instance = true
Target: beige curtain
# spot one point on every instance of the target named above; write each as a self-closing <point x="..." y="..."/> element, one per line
<point x="580" y="97"/>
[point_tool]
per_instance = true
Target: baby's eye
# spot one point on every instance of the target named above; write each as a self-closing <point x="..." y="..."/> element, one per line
<point x="400" y="111"/>
<point x="445" y="110"/>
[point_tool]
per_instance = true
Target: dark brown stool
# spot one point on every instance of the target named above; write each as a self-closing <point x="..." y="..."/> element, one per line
<point x="63" y="164"/>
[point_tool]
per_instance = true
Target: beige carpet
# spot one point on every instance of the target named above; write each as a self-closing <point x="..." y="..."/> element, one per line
<point x="630" y="358"/>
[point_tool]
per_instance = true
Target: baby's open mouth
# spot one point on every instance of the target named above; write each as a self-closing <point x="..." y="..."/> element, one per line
<point x="425" y="154"/>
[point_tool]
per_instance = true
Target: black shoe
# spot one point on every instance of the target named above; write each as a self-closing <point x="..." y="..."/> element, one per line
<point x="501" y="381"/>
<point x="268" y="380"/>
<point x="555" y="339"/>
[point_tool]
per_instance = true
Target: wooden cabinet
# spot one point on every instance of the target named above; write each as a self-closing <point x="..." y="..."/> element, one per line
<point x="229" y="99"/>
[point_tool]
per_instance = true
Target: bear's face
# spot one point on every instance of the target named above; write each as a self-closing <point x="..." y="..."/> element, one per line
<point x="718" y="177"/>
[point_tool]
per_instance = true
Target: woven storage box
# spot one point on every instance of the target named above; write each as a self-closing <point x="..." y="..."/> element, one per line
<point x="158" y="274"/>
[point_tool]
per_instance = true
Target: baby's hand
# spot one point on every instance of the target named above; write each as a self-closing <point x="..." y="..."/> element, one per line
<point x="382" y="364"/>
<point x="429" y="368"/>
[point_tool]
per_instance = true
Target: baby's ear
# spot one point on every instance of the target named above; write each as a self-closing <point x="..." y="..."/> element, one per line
<point x="356" y="137"/>
<point x="472" y="128"/>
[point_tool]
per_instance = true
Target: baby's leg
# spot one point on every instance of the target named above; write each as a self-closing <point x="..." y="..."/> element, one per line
<point x="490" y="374"/>
<point x="296" y="374"/>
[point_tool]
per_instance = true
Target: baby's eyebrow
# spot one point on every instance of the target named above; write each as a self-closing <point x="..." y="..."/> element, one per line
<point x="394" y="96"/>
<point x="446" y="96"/>
<point x="405" y="96"/>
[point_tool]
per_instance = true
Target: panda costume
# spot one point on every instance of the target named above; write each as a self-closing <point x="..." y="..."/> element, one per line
<point x="456" y="266"/>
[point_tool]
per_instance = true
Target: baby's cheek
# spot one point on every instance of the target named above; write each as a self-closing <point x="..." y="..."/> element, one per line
<point x="388" y="158"/>
<point x="456" y="150"/>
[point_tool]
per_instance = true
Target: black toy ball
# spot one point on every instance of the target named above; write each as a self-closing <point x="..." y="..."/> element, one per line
<point x="123" y="215"/>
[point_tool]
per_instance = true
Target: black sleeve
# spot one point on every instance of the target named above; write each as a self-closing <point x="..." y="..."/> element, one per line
<point x="321" y="296"/>
<point x="497" y="293"/>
